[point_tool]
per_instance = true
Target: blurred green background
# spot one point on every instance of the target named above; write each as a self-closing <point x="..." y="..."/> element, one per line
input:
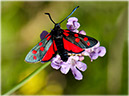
<point x="22" y="23"/>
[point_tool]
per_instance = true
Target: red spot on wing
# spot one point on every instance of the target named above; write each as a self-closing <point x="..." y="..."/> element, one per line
<point x="40" y="43"/>
<point x="50" y="52"/>
<point x="42" y="48"/>
<point x="47" y="35"/>
<point x="71" y="47"/>
<point x="85" y="39"/>
<point x="48" y="38"/>
<point x="34" y="52"/>
<point x="34" y="57"/>
<point x="77" y="40"/>
<point x="66" y="31"/>
<point x="66" y="34"/>
<point x="88" y="43"/>
<point x="76" y="35"/>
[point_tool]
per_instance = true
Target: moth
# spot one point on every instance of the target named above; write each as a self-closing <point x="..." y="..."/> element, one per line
<point x="59" y="41"/>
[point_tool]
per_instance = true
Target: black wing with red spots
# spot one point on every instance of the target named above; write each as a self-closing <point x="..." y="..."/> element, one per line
<point x="76" y="43"/>
<point x="43" y="51"/>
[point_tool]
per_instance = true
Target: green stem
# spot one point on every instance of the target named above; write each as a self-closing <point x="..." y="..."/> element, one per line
<point x="27" y="78"/>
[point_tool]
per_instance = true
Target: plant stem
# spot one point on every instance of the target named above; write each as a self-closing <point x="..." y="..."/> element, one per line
<point x="27" y="78"/>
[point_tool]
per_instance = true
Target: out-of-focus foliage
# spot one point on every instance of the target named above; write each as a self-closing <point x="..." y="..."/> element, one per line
<point x="22" y="23"/>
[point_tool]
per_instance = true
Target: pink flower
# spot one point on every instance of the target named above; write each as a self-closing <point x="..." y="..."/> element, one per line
<point x="95" y="52"/>
<point x="43" y="34"/>
<point x="72" y="24"/>
<point x="73" y="63"/>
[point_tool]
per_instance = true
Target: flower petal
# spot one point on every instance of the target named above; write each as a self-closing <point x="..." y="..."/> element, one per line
<point x="81" y="58"/>
<point x="55" y="65"/>
<point x="70" y="26"/>
<point x="56" y="58"/>
<point x="76" y="58"/>
<point x="82" y="32"/>
<point x="76" y="25"/>
<point x="56" y="62"/>
<point x="85" y="53"/>
<point x="102" y="51"/>
<point x="65" y="68"/>
<point x="72" y="58"/>
<point x="93" y="55"/>
<point x="43" y="34"/>
<point x="77" y="74"/>
<point x="71" y="19"/>
<point x="76" y="31"/>
<point x="81" y="66"/>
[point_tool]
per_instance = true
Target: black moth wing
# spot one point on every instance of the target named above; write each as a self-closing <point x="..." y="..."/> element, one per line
<point x="82" y="41"/>
<point x="43" y="51"/>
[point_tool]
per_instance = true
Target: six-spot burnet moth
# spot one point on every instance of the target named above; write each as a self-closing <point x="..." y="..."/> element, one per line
<point x="59" y="41"/>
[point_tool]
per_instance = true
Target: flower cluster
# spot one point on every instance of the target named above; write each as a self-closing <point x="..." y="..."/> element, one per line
<point x="74" y="61"/>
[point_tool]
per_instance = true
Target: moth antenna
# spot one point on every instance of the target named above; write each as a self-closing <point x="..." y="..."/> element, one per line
<point x="69" y="14"/>
<point x="50" y="17"/>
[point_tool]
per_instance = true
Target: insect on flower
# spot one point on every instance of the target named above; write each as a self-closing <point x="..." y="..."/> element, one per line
<point x="60" y="41"/>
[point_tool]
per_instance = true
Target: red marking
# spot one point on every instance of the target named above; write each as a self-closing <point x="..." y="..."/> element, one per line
<point x="48" y="38"/>
<point x="55" y="48"/>
<point x="71" y="47"/>
<point x="66" y="34"/>
<point x="77" y="40"/>
<point x="85" y="39"/>
<point x="47" y="35"/>
<point x="34" y="57"/>
<point x="49" y="53"/>
<point x="88" y="43"/>
<point x="76" y="35"/>
<point x="66" y="31"/>
<point x="41" y="48"/>
<point x="34" y="52"/>
<point x="40" y="43"/>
